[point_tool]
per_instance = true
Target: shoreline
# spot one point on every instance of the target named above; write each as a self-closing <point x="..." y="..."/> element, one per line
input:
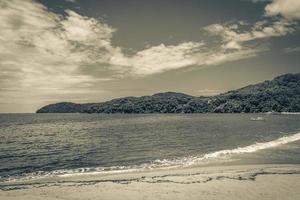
<point x="156" y="113"/>
<point x="215" y="182"/>
<point x="211" y="159"/>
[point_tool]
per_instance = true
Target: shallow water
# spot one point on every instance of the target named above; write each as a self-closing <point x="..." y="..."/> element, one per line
<point x="66" y="144"/>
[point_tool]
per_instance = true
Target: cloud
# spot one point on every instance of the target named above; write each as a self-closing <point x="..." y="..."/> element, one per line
<point x="290" y="9"/>
<point x="234" y="38"/>
<point x="43" y="53"/>
<point x="62" y="44"/>
<point x="242" y="39"/>
<point x="159" y="58"/>
<point x="86" y="30"/>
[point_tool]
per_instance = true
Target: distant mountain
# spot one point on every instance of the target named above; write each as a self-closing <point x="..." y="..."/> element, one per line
<point x="282" y="94"/>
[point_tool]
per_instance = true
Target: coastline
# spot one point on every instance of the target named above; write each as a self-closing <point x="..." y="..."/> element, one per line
<point x="223" y="173"/>
<point x="215" y="182"/>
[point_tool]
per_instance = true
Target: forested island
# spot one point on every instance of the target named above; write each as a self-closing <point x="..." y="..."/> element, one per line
<point x="282" y="94"/>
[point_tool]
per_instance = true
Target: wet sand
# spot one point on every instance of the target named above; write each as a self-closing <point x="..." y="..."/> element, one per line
<point x="221" y="182"/>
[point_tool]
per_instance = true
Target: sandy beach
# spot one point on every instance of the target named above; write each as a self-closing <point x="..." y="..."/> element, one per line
<point x="228" y="182"/>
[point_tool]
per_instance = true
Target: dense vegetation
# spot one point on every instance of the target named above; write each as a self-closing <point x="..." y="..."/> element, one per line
<point x="281" y="94"/>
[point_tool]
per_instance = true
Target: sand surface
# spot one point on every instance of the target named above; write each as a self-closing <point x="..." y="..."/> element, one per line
<point x="257" y="182"/>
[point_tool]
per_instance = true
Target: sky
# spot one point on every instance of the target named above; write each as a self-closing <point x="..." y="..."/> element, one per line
<point x="95" y="50"/>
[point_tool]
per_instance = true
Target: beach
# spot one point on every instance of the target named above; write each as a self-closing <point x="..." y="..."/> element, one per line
<point x="216" y="182"/>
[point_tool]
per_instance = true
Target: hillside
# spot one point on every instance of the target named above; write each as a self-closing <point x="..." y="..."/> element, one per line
<point x="282" y="94"/>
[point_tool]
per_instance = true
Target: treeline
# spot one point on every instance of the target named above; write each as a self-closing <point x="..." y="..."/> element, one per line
<point x="281" y="94"/>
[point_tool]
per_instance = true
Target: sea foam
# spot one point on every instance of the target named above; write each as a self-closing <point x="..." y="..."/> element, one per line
<point x="190" y="160"/>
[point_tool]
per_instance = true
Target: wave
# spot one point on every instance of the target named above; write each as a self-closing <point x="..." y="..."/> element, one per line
<point x="255" y="147"/>
<point x="225" y="154"/>
<point x="165" y="163"/>
<point x="290" y="113"/>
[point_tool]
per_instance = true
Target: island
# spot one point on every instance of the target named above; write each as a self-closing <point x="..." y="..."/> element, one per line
<point x="282" y="94"/>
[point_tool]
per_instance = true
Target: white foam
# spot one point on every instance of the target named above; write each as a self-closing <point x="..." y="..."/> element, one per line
<point x="194" y="160"/>
<point x="290" y="113"/>
<point x="254" y="147"/>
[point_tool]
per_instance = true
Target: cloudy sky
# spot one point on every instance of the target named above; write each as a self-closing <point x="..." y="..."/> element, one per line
<point x="95" y="50"/>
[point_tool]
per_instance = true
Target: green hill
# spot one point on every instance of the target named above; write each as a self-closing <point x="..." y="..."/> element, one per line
<point x="282" y="94"/>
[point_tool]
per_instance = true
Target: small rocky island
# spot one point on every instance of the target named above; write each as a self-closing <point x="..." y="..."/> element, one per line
<point x="282" y="94"/>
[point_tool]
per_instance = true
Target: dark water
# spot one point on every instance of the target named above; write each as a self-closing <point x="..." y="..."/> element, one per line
<point x="40" y="144"/>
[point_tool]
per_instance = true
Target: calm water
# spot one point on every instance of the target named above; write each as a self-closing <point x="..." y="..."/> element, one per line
<point x="54" y="144"/>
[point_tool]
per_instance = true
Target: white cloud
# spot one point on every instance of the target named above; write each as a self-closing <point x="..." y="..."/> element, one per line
<point x="54" y="44"/>
<point x="238" y="36"/>
<point x="233" y="38"/>
<point x="224" y="56"/>
<point x="44" y="44"/>
<point x="163" y="58"/>
<point x="289" y="9"/>
<point x="159" y="58"/>
<point x="86" y="30"/>
<point x="42" y="53"/>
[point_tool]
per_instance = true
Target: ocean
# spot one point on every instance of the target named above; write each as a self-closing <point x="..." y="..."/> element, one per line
<point x="38" y="145"/>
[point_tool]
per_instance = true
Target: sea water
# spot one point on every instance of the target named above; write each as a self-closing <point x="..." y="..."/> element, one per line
<point x="37" y="145"/>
